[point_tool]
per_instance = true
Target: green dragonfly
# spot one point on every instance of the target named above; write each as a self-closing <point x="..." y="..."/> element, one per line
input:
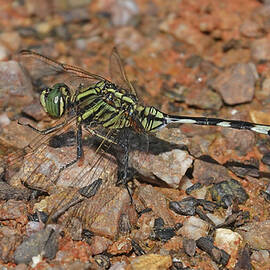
<point x="106" y="109"/>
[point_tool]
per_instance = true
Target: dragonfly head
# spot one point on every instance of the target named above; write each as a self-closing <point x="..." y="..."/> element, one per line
<point x="55" y="100"/>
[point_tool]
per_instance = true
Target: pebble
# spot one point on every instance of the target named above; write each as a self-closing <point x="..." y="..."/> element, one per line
<point x="203" y="98"/>
<point x="107" y="222"/>
<point x="151" y="262"/>
<point x="229" y="241"/>
<point x="44" y="241"/>
<point x="157" y="202"/>
<point x="186" y="207"/>
<point x="75" y="15"/>
<point x="186" y="32"/>
<point x="226" y="192"/>
<point x="260" y="49"/>
<point x="40" y="8"/>
<point x="162" y="233"/>
<point x="216" y="219"/>
<point x="9" y="240"/>
<point x="4" y="53"/>
<point x="121" y="246"/>
<point x="260" y="259"/>
<point x="209" y="172"/>
<point x="16" y="87"/>
<point x="21" y="266"/>
<point x="8" y="192"/>
<point x="33" y="227"/>
<point x="243" y="169"/>
<point x="194" y="228"/>
<point x="262" y="15"/>
<point x="266" y="159"/>
<point x="12" y="210"/>
<point x="244" y="260"/>
<point x="119" y="266"/>
<point x="241" y="140"/>
<point x="256" y="234"/>
<point x="102" y="261"/>
<point x="199" y="192"/>
<point x="99" y="244"/>
<point x="130" y="38"/>
<point x="124" y="12"/>
<point x="259" y="116"/>
<point x="4" y="120"/>
<point x="218" y="255"/>
<point x="168" y="167"/>
<point x="266" y="86"/>
<point x="18" y="137"/>
<point x="11" y="40"/>
<point x="189" y="246"/>
<point x="174" y="244"/>
<point x="44" y="28"/>
<point x="236" y="84"/>
<point x="35" y="111"/>
<point x="251" y="29"/>
<point x="207" y="24"/>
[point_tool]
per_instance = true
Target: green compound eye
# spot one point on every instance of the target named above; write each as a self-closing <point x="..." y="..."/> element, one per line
<point x="53" y="100"/>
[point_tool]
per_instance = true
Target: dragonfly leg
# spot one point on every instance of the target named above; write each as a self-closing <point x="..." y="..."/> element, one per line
<point x="79" y="150"/>
<point x="44" y="131"/>
<point x="125" y="173"/>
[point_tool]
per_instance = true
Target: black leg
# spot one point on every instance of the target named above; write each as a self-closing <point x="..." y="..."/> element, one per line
<point x="125" y="174"/>
<point x="45" y="131"/>
<point x="79" y="149"/>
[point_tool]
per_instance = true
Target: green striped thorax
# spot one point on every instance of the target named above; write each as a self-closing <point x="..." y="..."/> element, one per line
<point x="54" y="100"/>
<point x="102" y="103"/>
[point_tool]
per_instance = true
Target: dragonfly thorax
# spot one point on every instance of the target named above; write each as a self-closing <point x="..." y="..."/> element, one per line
<point x="55" y="100"/>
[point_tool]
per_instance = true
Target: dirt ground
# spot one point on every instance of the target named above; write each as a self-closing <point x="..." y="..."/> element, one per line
<point x="200" y="195"/>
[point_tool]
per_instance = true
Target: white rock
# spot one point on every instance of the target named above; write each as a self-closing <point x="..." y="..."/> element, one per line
<point x="4" y="120"/>
<point x="216" y="219"/>
<point x="4" y="53"/>
<point x="194" y="228"/>
<point x="229" y="241"/>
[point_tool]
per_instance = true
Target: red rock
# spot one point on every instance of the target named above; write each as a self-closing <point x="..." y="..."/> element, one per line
<point x="11" y="40"/>
<point x="130" y="38"/>
<point x="15" y="87"/>
<point x="121" y="246"/>
<point x="157" y="202"/>
<point x="260" y="49"/>
<point x="256" y="234"/>
<point x="203" y="99"/>
<point x="175" y="244"/>
<point x="9" y="240"/>
<point x="184" y="31"/>
<point x="99" y="244"/>
<point x="13" y="210"/>
<point x="208" y="173"/>
<point x="251" y="29"/>
<point x="151" y="262"/>
<point x="237" y="83"/>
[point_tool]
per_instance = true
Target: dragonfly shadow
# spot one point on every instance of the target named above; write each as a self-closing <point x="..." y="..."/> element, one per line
<point x="136" y="141"/>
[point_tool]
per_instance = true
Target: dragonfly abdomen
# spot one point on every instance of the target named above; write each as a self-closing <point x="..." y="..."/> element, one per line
<point x="235" y="124"/>
<point x="151" y="118"/>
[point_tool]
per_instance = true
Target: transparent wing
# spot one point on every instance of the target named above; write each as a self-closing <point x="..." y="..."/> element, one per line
<point x="48" y="71"/>
<point x="118" y="73"/>
<point x="43" y="159"/>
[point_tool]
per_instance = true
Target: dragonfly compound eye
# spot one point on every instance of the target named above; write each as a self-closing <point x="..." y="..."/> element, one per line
<point x="53" y="100"/>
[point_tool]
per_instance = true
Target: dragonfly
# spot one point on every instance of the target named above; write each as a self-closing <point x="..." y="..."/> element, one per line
<point x="106" y="109"/>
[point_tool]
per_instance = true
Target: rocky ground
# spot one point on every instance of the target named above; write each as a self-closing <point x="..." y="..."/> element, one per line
<point x="201" y="195"/>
